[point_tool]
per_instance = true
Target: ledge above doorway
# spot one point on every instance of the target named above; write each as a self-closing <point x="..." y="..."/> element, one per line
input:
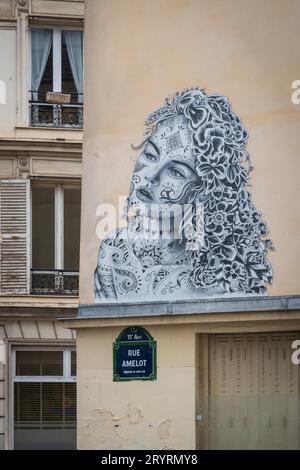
<point x="192" y="307"/>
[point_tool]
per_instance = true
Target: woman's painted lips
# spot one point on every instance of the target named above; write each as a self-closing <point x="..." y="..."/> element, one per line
<point x="145" y="194"/>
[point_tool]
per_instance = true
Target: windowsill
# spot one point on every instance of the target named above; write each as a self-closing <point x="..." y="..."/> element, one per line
<point x="28" y="300"/>
<point x="51" y="128"/>
<point x="49" y="133"/>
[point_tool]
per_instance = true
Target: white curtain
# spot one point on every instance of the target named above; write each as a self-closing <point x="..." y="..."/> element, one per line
<point x="74" y="43"/>
<point x="41" y="40"/>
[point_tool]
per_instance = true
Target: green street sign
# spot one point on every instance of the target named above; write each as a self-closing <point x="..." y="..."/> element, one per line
<point x="134" y="355"/>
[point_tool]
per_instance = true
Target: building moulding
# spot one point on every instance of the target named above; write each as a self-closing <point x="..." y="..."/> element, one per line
<point x="203" y="306"/>
<point x="40" y="159"/>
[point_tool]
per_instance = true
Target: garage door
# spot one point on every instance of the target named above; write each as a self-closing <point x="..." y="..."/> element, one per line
<point x="253" y="392"/>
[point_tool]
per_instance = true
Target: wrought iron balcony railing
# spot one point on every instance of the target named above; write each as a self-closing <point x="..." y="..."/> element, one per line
<point x="60" y="115"/>
<point x="54" y="282"/>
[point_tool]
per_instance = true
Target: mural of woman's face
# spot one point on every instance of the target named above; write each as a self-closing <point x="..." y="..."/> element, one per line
<point x="189" y="210"/>
<point x="164" y="171"/>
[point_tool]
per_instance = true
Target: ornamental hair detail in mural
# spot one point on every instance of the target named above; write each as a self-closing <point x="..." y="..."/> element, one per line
<point x="193" y="160"/>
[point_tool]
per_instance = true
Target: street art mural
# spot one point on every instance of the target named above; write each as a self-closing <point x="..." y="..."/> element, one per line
<point x="193" y="231"/>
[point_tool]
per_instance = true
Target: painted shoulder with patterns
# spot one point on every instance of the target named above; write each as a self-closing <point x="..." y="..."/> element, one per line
<point x="126" y="274"/>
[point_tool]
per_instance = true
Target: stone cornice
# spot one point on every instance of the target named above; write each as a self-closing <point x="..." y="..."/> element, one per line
<point x="40" y="148"/>
<point x="203" y="306"/>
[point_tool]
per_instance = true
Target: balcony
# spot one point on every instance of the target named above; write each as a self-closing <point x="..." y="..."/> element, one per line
<point x="54" y="282"/>
<point x="55" y="114"/>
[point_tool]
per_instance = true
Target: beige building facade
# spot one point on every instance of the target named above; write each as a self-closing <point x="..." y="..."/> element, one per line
<point x="40" y="187"/>
<point x="225" y="374"/>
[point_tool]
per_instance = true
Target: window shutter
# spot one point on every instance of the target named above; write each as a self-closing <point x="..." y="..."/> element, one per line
<point x="293" y="375"/>
<point x="254" y="392"/>
<point x="44" y="405"/>
<point x="44" y="399"/>
<point x="223" y="365"/>
<point x="36" y="363"/>
<point x="15" y="242"/>
<point x="238" y="365"/>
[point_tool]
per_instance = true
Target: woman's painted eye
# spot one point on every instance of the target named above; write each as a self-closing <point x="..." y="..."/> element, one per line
<point x="150" y="157"/>
<point x="177" y="173"/>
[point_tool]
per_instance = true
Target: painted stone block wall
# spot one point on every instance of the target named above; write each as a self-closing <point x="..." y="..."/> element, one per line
<point x="136" y="414"/>
<point x="137" y="53"/>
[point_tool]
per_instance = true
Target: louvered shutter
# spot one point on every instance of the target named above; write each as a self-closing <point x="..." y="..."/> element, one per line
<point x="254" y="392"/>
<point x="253" y="364"/>
<point x="292" y="370"/>
<point x="14" y="231"/>
<point x="222" y="356"/>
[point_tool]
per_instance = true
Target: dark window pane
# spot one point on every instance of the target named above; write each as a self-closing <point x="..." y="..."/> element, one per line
<point x="44" y="415"/>
<point x="71" y="116"/>
<point x="27" y="404"/>
<point x="73" y="363"/>
<point x="43" y="228"/>
<point x="52" y="404"/>
<point x="47" y="79"/>
<point x="44" y="404"/>
<point x="71" y="283"/>
<point x="41" y="63"/>
<point x="68" y="84"/>
<point x="43" y="283"/>
<point x="37" y="363"/>
<point x="71" y="229"/>
<point x="41" y="115"/>
<point x="69" y="404"/>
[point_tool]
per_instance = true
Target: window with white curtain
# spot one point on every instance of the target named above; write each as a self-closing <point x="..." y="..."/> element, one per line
<point x="56" y="67"/>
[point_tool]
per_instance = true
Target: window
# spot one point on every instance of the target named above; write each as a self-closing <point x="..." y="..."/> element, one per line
<point x="44" y="387"/>
<point x="56" y="94"/>
<point x="43" y="217"/>
<point x="39" y="363"/>
<point x="55" y="239"/>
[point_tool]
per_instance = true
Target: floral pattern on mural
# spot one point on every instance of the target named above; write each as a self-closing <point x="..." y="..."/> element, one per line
<point x="194" y="151"/>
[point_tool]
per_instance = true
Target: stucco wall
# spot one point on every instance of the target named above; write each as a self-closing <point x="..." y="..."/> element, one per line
<point x="138" y="52"/>
<point x="8" y="111"/>
<point x="137" y="414"/>
<point x="162" y="413"/>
